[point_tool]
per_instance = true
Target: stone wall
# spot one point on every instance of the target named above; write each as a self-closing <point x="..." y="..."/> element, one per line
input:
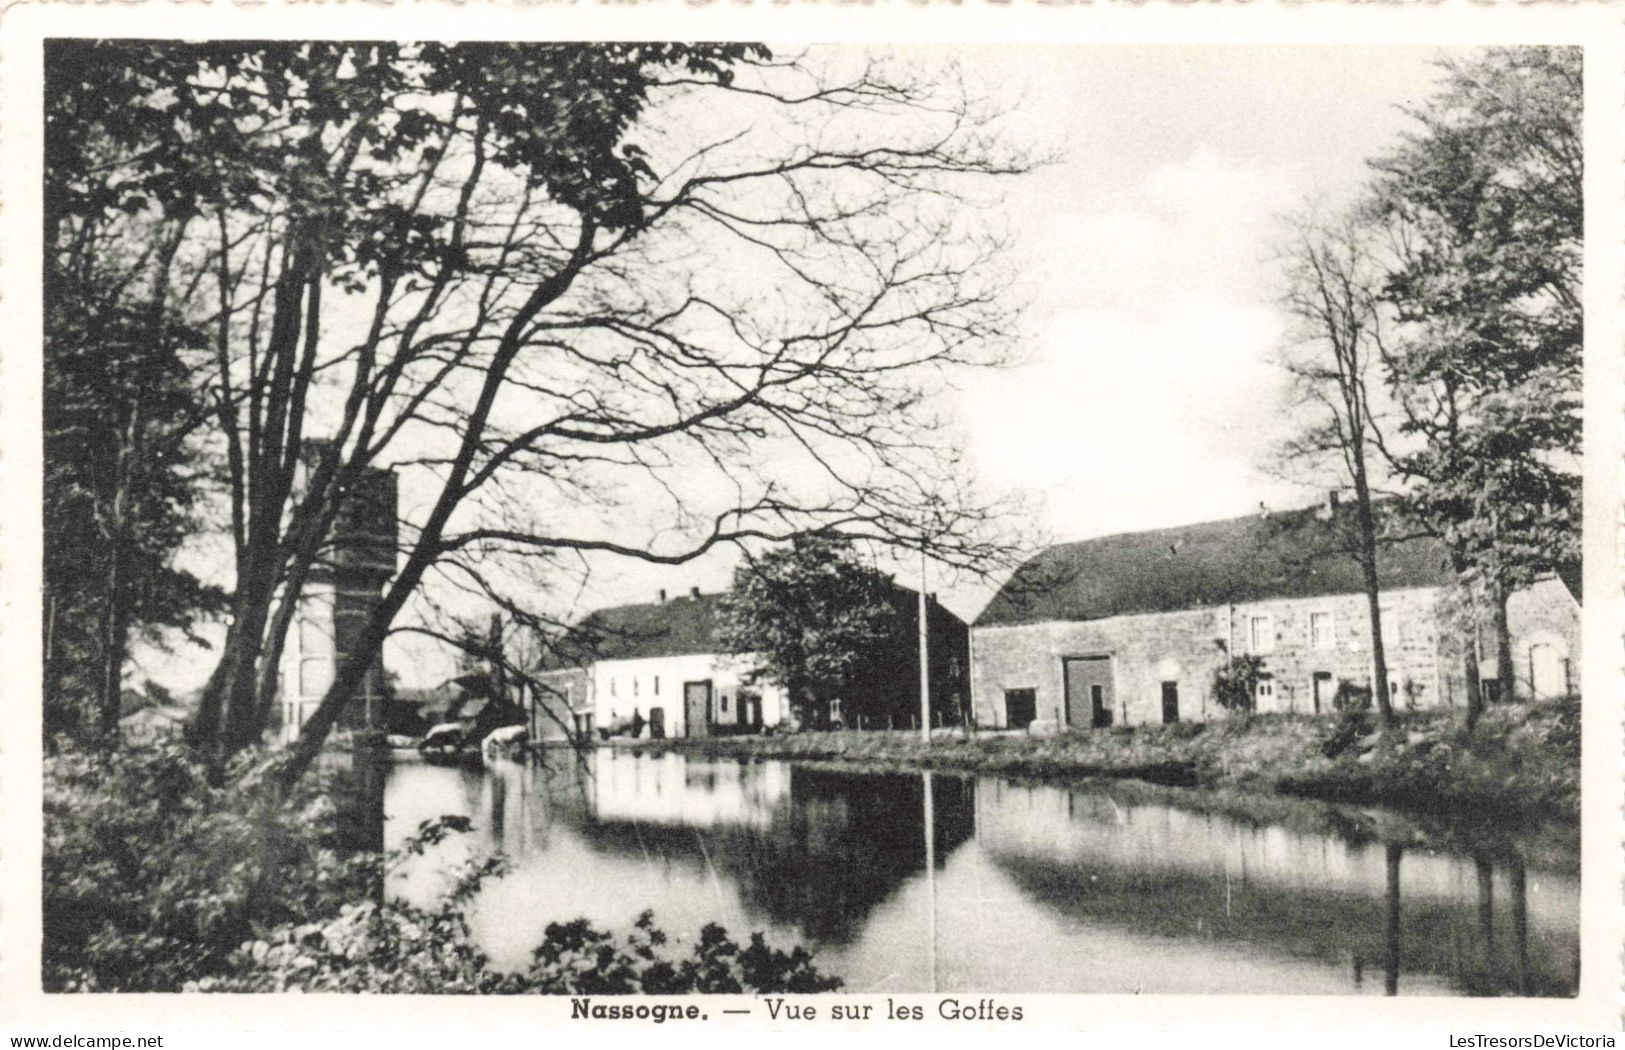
<point x="1185" y="648"/>
<point x="1293" y="658"/>
<point x="1146" y="650"/>
<point x="1545" y="623"/>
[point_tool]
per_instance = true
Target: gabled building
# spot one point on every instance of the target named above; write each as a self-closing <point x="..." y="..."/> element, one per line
<point x="1130" y="629"/>
<point x="660" y="667"/>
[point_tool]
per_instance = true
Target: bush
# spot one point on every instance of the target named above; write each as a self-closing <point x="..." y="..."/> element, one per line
<point x="1350" y="725"/>
<point x="1351" y="698"/>
<point x="153" y="876"/>
<point x="1235" y="683"/>
<point x="156" y="880"/>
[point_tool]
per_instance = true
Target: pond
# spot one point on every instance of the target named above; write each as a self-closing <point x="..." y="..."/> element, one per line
<point x="1107" y="888"/>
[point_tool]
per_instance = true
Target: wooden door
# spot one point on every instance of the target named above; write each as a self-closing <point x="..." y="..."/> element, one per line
<point x="1088" y="691"/>
<point x="1323" y="691"/>
<point x="697" y="708"/>
<point x="1170" y="702"/>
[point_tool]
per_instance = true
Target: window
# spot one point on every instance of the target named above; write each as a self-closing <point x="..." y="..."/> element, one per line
<point x="612" y="687"/>
<point x="657" y="685"/>
<point x="1260" y="634"/>
<point x="1390" y="625"/>
<point x="724" y="702"/>
<point x="1264" y="694"/>
<point x="634" y="685"/>
<point x="1321" y="635"/>
<point x="1170" y="702"/>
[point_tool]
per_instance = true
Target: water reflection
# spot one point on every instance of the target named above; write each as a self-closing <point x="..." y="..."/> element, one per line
<point x="1031" y="888"/>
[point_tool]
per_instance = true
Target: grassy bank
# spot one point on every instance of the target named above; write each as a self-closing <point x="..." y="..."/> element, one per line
<point x="1522" y="762"/>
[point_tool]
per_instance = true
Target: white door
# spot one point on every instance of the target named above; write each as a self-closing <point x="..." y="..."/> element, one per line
<point x="1548" y="671"/>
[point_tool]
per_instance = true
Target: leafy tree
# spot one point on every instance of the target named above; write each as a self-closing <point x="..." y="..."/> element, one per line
<point x="122" y="473"/>
<point x="547" y="286"/>
<point x="1483" y="210"/>
<point x="825" y="625"/>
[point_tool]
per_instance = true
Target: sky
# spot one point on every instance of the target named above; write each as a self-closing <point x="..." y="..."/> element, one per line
<point x="1146" y="393"/>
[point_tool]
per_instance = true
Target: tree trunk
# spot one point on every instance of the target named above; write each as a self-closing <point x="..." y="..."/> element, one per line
<point x="1504" y="669"/>
<point x="114" y="629"/>
<point x="1368" y="567"/>
<point x="1475" y="687"/>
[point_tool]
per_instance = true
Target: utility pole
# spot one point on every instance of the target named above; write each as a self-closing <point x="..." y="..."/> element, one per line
<point x="925" y="654"/>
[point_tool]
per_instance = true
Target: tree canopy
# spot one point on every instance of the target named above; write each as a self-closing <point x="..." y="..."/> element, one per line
<point x="1484" y="212"/>
<point x="825" y="626"/>
<point x="583" y="300"/>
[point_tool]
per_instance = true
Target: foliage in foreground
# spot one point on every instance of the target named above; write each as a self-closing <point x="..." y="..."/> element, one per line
<point x="155" y="880"/>
<point x="153" y="876"/>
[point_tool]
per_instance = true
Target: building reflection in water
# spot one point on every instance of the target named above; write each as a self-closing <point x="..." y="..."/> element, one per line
<point x="919" y="882"/>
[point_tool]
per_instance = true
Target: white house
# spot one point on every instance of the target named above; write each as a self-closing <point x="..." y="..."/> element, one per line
<point x="658" y="665"/>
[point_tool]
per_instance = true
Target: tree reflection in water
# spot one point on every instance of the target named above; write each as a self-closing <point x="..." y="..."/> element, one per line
<point x="829" y="857"/>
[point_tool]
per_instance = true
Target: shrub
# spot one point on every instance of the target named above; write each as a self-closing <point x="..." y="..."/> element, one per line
<point x="1351" y="724"/>
<point x="1351" y="697"/>
<point x="156" y="880"/>
<point x="153" y="876"/>
<point x="1235" y="682"/>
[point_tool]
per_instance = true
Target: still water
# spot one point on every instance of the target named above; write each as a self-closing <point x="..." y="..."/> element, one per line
<point x="1034" y="888"/>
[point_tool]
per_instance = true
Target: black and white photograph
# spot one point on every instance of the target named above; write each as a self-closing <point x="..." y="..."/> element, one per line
<point x="640" y="520"/>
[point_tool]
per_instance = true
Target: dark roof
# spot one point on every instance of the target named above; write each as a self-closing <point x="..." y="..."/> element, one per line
<point x="677" y="627"/>
<point x="1573" y="579"/>
<point x="1293" y="554"/>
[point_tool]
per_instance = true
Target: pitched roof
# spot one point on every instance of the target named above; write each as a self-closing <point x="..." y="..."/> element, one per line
<point x="1293" y="554"/>
<point x="677" y="627"/>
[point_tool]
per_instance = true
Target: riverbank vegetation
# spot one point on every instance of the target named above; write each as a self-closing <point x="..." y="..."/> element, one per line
<point x="1521" y="761"/>
<point x="156" y="880"/>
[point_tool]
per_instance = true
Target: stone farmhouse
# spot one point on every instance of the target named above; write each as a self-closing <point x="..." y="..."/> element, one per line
<point x="1131" y="629"/>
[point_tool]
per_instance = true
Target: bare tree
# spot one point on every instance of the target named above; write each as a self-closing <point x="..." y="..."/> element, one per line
<point x="1335" y="362"/>
<point x="625" y="300"/>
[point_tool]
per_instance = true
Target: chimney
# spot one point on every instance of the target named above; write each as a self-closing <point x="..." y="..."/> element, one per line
<point x="693" y="592"/>
<point x="662" y="596"/>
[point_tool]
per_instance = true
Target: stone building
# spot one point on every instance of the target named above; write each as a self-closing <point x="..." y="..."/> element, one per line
<point x="1129" y="629"/>
<point x="339" y="595"/>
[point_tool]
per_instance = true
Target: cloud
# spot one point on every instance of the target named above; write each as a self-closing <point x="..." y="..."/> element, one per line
<point x="1149" y="398"/>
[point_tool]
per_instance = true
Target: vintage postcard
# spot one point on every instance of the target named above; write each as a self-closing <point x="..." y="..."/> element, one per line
<point x="805" y="518"/>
